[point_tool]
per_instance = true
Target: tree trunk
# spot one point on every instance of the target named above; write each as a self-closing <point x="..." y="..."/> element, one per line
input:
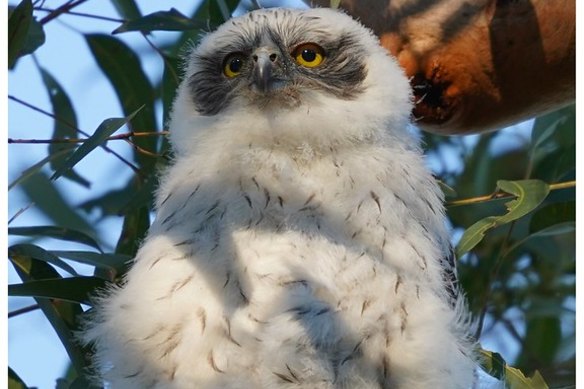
<point x="478" y="65"/>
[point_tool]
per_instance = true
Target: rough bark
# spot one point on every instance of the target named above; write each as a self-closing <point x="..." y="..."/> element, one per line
<point x="478" y="65"/>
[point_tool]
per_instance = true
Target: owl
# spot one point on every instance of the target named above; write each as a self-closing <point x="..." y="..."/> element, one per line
<point x="299" y="241"/>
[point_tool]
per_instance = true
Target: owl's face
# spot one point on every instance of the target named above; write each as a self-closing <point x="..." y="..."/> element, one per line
<point x="276" y="57"/>
<point x="312" y="75"/>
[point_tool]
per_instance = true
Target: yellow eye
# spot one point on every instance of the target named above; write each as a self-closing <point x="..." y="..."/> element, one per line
<point x="308" y="55"/>
<point x="233" y="64"/>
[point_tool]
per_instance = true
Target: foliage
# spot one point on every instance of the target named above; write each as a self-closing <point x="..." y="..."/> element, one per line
<point x="517" y="258"/>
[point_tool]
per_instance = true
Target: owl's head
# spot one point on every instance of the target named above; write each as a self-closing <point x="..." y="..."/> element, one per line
<point x="312" y="76"/>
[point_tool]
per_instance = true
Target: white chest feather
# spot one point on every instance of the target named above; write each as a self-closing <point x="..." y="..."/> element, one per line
<point x="275" y="272"/>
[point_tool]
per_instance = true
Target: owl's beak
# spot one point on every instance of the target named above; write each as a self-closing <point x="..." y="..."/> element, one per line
<point x="265" y="61"/>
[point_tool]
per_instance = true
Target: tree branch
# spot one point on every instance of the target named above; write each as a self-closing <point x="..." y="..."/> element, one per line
<point x="82" y="14"/>
<point x="68" y="6"/>
<point x="478" y="65"/>
<point x="500" y="195"/>
<point x="124" y="160"/>
<point x="126" y="135"/>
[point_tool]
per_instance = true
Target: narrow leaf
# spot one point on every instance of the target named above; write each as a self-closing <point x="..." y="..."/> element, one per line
<point x="515" y="379"/>
<point x="529" y="195"/>
<point x="447" y="190"/>
<point x="48" y="199"/>
<point x="65" y="127"/>
<point x="18" y="26"/>
<point x="61" y="314"/>
<point x="556" y="229"/>
<point x="36" y="252"/>
<point x="494" y="365"/>
<point x="56" y="233"/>
<point x="552" y="214"/>
<point x="123" y="69"/>
<point x="171" y="20"/>
<point x="36" y="168"/>
<point x="111" y="261"/>
<point x="14" y="381"/>
<point x="105" y="130"/>
<point x="127" y="9"/>
<point x="73" y="289"/>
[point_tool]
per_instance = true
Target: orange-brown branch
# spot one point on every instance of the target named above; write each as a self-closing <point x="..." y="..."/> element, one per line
<point x="478" y="65"/>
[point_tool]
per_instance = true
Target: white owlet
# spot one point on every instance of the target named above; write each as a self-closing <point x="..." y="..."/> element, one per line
<point x="299" y="240"/>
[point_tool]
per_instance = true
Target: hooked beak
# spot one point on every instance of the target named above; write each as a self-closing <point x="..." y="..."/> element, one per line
<point x="265" y="61"/>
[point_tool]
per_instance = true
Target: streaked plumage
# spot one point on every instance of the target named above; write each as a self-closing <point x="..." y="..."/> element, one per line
<point x="299" y="240"/>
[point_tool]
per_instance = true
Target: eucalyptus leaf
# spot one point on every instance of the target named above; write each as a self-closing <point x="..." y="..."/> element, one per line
<point x="19" y="23"/>
<point x="529" y="195"/>
<point x="41" y="254"/>
<point x="29" y="172"/>
<point x="553" y="214"/>
<point x="61" y="314"/>
<point x="34" y="39"/>
<point x="55" y="233"/>
<point x="123" y="69"/>
<point x="105" y="260"/>
<point x="554" y="230"/>
<point x="128" y="9"/>
<point x="493" y="364"/>
<point x="98" y="138"/>
<point x="73" y="289"/>
<point x="14" y="381"/>
<point x="54" y="204"/>
<point x="171" y="20"/>
<point x="65" y="127"/>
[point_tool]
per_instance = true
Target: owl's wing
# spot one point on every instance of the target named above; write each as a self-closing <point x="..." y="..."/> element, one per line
<point x="450" y="276"/>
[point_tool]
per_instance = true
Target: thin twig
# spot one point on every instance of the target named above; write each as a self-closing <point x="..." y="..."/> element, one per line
<point x="500" y="195"/>
<point x="126" y="135"/>
<point x="125" y="161"/>
<point x="20" y="212"/>
<point x="83" y="14"/>
<point x="21" y="311"/>
<point x="67" y="7"/>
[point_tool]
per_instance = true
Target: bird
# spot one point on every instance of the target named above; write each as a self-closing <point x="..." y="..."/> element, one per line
<point x="299" y="241"/>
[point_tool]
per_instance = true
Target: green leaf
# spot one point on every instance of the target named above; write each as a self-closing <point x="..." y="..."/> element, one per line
<point x="542" y="340"/>
<point x="107" y="260"/>
<point x="18" y="28"/>
<point x="134" y="230"/>
<point x="171" y="20"/>
<point x="73" y="289"/>
<point x="554" y="230"/>
<point x="48" y="199"/>
<point x="99" y="137"/>
<point x="14" y="381"/>
<point x="529" y="195"/>
<point x="36" y="168"/>
<point x="61" y="314"/>
<point x="64" y="128"/>
<point x="216" y="12"/>
<point x="553" y="214"/>
<point x="493" y="364"/>
<point x="124" y="71"/>
<point x="36" y="252"/>
<point x="447" y="190"/>
<point x="127" y="9"/>
<point x="55" y="233"/>
<point x="34" y="39"/>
